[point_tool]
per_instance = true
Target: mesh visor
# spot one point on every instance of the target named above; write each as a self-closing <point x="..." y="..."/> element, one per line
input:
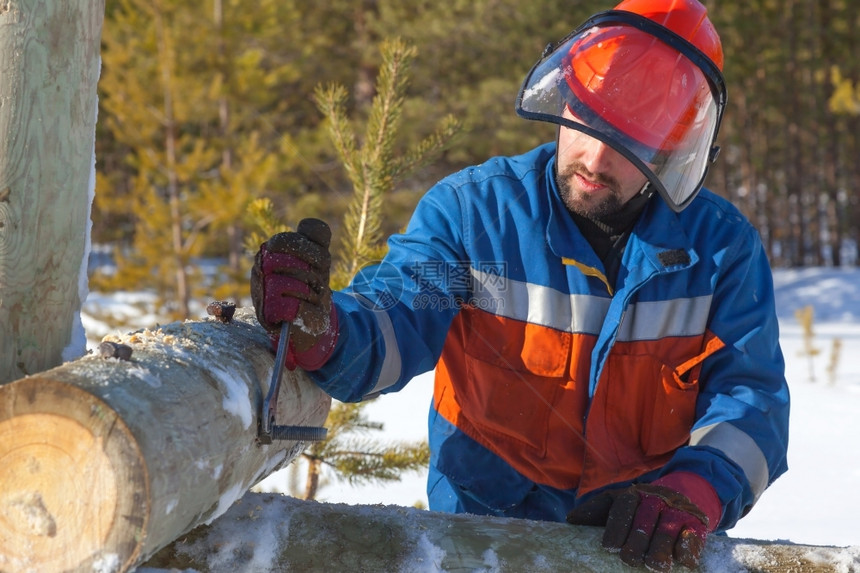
<point x="640" y="89"/>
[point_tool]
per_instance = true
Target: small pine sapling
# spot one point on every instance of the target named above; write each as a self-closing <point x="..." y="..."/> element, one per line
<point x="372" y="163"/>
<point x="356" y="458"/>
<point x="373" y="166"/>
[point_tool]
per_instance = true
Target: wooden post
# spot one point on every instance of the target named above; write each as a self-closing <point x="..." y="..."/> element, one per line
<point x="107" y="459"/>
<point x="49" y="68"/>
<point x="274" y="533"/>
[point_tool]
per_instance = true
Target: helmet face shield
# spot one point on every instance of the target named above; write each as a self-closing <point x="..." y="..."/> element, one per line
<point x="639" y="88"/>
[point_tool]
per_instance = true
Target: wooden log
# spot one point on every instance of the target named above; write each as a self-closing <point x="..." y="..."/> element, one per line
<point x="105" y="460"/>
<point x="275" y="533"/>
<point x="49" y="68"/>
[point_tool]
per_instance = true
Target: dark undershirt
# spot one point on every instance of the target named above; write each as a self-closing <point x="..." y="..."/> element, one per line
<point x="608" y="235"/>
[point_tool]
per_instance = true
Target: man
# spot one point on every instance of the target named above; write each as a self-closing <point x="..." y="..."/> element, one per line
<point x="603" y="333"/>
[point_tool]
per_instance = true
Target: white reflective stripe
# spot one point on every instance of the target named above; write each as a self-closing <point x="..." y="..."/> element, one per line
<point x="661" y="319"/>
<point x="585" y="313"/>
<point x="739" y="447"/>
<point x="391" y="365"/>
<point x="539" y="305"/>
<point x="588" y="313"/>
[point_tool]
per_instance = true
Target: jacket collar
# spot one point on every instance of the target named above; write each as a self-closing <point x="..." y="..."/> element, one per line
<point x="658" y="242"/>
<point x="660" y="239"/>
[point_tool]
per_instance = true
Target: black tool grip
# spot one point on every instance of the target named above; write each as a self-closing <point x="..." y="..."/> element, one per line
<point x="299" y="433"/>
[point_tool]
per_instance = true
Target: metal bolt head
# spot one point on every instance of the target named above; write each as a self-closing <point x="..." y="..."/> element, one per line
<point x="115" y="350"/>
<point x="222" y="310"/>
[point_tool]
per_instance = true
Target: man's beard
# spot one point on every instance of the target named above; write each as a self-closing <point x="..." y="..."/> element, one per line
<point x="582" y="203"/>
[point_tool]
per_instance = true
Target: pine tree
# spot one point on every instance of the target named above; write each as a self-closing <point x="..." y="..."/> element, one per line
<point x="356" y="458"/>
<point x="151" y="95"/>
<point x="199" y="129"/>
<point x="374" y="166"/>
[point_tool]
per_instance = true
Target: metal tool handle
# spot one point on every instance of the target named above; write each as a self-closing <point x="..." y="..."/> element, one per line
<point x="299" y="433"/>
<point x="268" y="431"/>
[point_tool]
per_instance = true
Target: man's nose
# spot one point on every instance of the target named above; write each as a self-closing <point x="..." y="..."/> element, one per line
<point x="597" y="156"/>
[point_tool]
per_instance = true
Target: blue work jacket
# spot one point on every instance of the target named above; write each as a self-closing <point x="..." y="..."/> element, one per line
<point x="551" y="383"/>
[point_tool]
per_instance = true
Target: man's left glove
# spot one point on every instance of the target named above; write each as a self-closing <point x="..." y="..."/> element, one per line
<point x="655" y="524"/>
<point x="290" y="283"/>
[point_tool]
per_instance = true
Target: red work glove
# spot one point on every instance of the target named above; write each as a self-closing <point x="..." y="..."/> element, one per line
<point x="655" y="524"/>
<point x="290" y="282"/>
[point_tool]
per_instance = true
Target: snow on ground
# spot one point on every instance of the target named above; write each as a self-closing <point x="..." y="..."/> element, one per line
<point x="816" y="502"/>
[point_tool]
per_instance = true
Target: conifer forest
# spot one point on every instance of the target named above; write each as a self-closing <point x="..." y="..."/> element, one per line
<point x="216" y="121"/>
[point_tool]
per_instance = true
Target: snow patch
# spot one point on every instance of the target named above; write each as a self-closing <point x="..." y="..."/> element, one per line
<point x="249" y="544"/>
<point x="29" y="509"/>
<point x="236" y="399"/>
<point x="491" y="560"/>
<point x="226" y="501"/>
<point x="106" y="563"/>
<point x="263" y="551"/>
<point x="280" y="458"/>
<point x="151" y="379"/>
<point x="77" y="345"/>
<point x="541" y="563"/>
<point x="427" y="558"/>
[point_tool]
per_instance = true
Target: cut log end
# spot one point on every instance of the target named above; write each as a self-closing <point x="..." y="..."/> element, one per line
<point x="65" y="473"/>
<point x="110" y="459"/>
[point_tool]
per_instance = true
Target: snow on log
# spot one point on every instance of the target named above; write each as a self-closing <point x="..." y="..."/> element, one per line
<point x="107" y="459"/>
<point x="275" y="533"/>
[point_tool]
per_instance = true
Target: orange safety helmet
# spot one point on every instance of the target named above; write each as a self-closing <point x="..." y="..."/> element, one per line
<point x="688" y="19"/>
<point x="646" y="79"/>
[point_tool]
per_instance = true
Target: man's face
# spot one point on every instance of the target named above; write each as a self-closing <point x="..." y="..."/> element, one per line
<point x="594" y="179"/>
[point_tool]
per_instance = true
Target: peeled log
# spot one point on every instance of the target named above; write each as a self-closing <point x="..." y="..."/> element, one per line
<point x="274" y="533"/>
<point x="104" y="461"/>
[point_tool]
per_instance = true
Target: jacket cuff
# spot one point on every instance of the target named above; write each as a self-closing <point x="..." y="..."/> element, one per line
<point x="699" y="491"/>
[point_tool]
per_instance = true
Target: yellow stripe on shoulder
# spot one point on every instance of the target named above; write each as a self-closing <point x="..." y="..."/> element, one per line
<point x="588" y="271"/>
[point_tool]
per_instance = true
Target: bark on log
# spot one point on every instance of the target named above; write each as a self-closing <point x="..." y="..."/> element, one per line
<point x="49" y="68"/>
<point x="103" y="461"/>
<point x="266" y="532"/>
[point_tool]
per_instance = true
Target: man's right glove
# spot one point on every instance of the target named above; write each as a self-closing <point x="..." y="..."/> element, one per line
<point x="290" y="283"/>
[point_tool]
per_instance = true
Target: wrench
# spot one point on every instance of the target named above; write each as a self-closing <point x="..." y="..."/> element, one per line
<point x="268" y="431"/>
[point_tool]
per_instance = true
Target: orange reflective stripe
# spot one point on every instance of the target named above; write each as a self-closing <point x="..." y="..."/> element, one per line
<point x="712" y="344"/>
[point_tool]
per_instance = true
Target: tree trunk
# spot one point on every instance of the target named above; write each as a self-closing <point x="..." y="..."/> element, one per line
<point x="104" y="461"/>
<point x="49" y="61"/>
<point x="267" y="532"/>
<point x="312" y="483"/>
<point x="166" y="56"/>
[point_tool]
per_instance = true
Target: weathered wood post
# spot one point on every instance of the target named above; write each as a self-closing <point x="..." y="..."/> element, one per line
<point x="49" y="69"/>
<point x="108" y="458"/>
